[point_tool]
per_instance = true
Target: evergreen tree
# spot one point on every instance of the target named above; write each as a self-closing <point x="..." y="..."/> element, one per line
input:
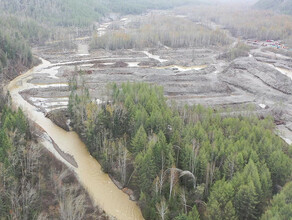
<point x="245" y="202"/>
<point x="145" y="170"/>
<point x="194" y="214"/>
<point x="281" y="205"/>
<point x="163" y="153"/>
<point x="280" y="167"/>
<point x="220" y="201"/>
<point x="139" y="141"/>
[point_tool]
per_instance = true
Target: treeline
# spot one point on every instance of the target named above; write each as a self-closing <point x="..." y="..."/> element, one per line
<point x="160" y="30"/>
<point x="15" y="55"/>
<point x="24" y="29"/>
<point x="139" y="6"/>
<point x="248" y="24"/>
<point x="81" y="12"/>
<point x="183" y="163"/>
<point x="278" y="6"/>
<point x="15" y="36"/>
<point x="33" y="185"/>
<point x="56" y="12"/>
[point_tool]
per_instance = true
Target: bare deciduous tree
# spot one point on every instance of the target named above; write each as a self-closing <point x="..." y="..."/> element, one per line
<point x="162" y="209"/>
<point x="173" y="177"/>
<point x="72" y="204"/>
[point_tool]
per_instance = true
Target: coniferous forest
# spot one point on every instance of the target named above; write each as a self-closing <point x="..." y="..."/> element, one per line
<point x="185" y="162"/>
<point x="14" y="53"/>
<point x="16" y="36"/>
<point x="178" y="162"/>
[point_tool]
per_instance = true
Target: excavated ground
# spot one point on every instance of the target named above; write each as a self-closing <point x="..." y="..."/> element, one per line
<point x="190" y="75"/>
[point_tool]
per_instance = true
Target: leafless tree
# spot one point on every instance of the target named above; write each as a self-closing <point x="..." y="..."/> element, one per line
<point x="159" y="181"/>
<point x="122" y="161"/>
<point x="173" y="177"/>
<point x="162" y="209"/>
<point x="184" y="199"/>
<point x="72" y="203"/>
<point x="43" y="216"/>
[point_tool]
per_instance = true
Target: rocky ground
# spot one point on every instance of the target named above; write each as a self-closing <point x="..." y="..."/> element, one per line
<point x="190" y="75"/>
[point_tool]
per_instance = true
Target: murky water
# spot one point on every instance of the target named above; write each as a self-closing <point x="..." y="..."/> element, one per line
<point x="99" y="186"/>
<point x="50" y="85"/>
<point x="183" y="68"/>
<point x="155" y="57"/>
<point x="133" y="64"/>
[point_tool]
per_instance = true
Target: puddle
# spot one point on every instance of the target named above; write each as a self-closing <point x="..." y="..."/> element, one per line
<point x="183" y="68"/>
<point x="133" y="64"/>
<point x="155" y="57"/>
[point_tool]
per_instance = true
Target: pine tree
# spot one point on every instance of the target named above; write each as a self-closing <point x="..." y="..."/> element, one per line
<point x="280" y="166"/>
<point x="194" y="214"/>
<point x="139" y="141"/>
<point x="163" y="153"/>
<point x="281" y="205"/>
<point x="246" y="201"/>
<point x="145" y="170"/>
<point x="220" y="205"/>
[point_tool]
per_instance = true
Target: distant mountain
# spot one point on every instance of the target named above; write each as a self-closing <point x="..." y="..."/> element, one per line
<point x="81" y="12"/>
<point x="282" y="6"/>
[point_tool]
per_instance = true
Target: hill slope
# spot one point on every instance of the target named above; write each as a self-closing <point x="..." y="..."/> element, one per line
<point x="33" y="21"/>
<point x="81" y="12"/>
<point x="282" y="6"/>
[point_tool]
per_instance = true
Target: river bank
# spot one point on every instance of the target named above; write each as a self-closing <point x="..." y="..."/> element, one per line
<point x="101" y="189"/>
<point x="189" y="76"/>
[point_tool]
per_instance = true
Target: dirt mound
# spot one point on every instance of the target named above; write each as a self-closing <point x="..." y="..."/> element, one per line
<point x="60" y="118"/>
<point x="240" y="68"/>
<point x="150" y="63"/>
<point x="120" y="64"/>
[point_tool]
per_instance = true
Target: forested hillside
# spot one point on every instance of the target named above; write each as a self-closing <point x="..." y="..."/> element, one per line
<point x="15" y="55"/>
<point x="282" y="6"/>
<point x="23" y="23"/>
<point x="16" y="35"/>
<point x="183" y="162"/>
<point x="81" y="12"/>
<point x="246" y="24"/>
<point x="177" y="162"/>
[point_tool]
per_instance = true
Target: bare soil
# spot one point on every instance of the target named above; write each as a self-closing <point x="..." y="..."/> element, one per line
<point x="254" y="80"/>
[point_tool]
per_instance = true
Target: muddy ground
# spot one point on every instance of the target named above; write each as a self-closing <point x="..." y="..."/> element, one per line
<point x="189" y="76"/>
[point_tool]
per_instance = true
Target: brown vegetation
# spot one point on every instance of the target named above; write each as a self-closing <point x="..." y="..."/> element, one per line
<point x="240" y="50"/>
<point x="261" y="25"/>
<point x="33" y="183"/>
<point x="158" y="31"/>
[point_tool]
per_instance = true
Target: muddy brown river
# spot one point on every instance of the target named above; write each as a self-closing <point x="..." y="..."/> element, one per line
<point x="100" y="187"/>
